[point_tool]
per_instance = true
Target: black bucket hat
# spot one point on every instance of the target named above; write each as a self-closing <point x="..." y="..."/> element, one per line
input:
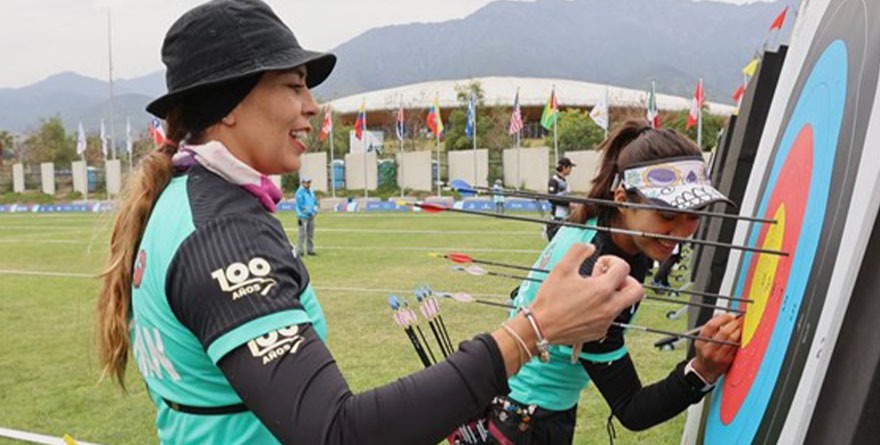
<point x="224" y="40"/>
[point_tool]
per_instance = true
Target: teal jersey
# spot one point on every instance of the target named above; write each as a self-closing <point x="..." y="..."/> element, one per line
<point x="211" y="252"/>
<point x="557" y="385"/>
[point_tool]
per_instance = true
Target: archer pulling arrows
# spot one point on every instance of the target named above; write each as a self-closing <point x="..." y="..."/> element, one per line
<point x="640" y="165"/>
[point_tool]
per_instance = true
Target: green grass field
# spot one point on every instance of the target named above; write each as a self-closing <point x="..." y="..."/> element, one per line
<point x="48" y="372"/>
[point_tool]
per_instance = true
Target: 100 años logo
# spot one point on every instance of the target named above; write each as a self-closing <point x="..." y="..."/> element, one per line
<point x="275" y="344"/>
<point x="242" y="280"/>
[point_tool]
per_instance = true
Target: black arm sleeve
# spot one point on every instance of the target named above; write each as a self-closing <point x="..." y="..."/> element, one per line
<point x="303" y="399"/>
<point x="637" y="407"/>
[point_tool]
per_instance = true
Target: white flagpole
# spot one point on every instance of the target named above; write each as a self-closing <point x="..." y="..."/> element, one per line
<point x="518" y="135"/>
<point x="366" y="135"/>
<point x="85" y="164"/>
<point x="332" y="166"/>
<point x="607" y="113"/>
<point x="129" y="145"/>
<point x="400" y="155"/>
<point x="438" y="119"/>
<point x="474" y="135"/>
<point x="655" y="111"/>
<point x="555" y="120"/>
<point x="110" y="58"/>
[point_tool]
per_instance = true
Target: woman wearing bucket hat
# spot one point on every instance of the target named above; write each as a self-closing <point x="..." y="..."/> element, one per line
<point x="204" y="289"/>
<point x="642" y="165"/>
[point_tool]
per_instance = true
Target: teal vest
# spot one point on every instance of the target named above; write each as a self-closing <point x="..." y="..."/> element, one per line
<point x="555" y="385"/>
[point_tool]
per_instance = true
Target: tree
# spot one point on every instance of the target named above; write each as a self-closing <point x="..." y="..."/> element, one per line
<point x="576" y="131"/>
<point x="50" y="143"/>
<point x="492" y="122"/>
<point x="6" y="146"/>
<point x="456" y="139"/>
<point x="141" y="145"/>
<point x="712" y="125"/>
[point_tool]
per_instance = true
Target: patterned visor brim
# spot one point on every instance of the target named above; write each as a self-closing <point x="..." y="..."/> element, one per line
<point x="684" y="183"/>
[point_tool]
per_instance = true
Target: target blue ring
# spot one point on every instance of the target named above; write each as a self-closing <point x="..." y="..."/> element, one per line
<point x="821" y="105"/>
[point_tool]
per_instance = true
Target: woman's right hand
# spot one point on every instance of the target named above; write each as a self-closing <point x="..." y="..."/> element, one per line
<point x="574" y="309"/>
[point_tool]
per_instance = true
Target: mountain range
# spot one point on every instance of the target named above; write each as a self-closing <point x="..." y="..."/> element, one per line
<point x="619" y="42"/>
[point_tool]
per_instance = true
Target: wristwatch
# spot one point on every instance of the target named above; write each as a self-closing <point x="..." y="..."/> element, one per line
<point x="695" y="380"/>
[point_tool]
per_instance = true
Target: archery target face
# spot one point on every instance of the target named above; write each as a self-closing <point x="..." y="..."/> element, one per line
<point x="806" y="185"/>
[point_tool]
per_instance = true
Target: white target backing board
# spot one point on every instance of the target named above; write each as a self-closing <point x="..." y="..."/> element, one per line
<point x="816" y="173"/>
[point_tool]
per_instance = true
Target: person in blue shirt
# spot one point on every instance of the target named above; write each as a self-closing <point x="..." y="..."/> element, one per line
<point x="498" y="196"/>
<point x="203" y="288"/>
<point x="306" y="209"/>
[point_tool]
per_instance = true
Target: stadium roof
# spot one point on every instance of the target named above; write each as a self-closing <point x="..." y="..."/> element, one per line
<point x="500" y="91"/>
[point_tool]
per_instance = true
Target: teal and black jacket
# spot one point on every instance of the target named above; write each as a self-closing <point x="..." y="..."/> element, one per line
<point x="228" y="335"/>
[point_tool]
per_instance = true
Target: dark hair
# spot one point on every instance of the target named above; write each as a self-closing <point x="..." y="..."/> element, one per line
<point x="633" y="143"/>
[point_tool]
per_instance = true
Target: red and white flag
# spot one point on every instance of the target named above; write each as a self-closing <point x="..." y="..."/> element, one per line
<point x="327" y="126"/>
<point x="157" y="132"/>
<point x="696" y="105"/>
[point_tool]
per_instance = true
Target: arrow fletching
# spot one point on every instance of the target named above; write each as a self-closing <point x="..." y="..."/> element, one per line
<point x="461" y="296"/>
<point x="431" y="207"/>
<point x="476" y="271"/>
<point x="463" y="188"/>
<point x="460" y="258"/>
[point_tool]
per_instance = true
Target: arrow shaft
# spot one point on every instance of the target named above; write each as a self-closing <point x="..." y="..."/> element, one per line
<point x="677" y="334"/>
<point x="427" y="345"/>
<point x="647" y="297"/>
<point x="635" y="327"/>
<point x="697" y="293"/>
<point x="608" y="229"/>
<point x="612" y="203"/>
<point x="646" y="286"/>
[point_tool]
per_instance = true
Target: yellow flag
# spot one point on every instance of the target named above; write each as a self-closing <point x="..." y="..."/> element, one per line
<point x="749" y="70"/>
<point x="69" y="440"/>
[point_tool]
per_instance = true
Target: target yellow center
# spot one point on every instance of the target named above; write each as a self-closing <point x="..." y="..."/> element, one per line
<point x="764" y="277"/>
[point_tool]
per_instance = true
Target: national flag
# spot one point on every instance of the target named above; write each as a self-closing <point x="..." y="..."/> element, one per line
<point x="327" y="125"/>
<point x="471" y="120"/>
<point x="516" y="122"/>
<point x="103" y="139"/>
<point x="81" y="143"/>
<point x="157" y="132"/>
<point x="548" y="117"/>
<point x="128" y="142"/>
<point x="737" y="95"/>
<point x="599" y="113"/>
<point x="360" y="124"/>
<point x="696" y="105"/>
<point x="780" y="20"/>
<point x="749" y="70"/>
<point x="653" y="115"/>
<point x="400" y="127"/>
<point x="434" y="119"/>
